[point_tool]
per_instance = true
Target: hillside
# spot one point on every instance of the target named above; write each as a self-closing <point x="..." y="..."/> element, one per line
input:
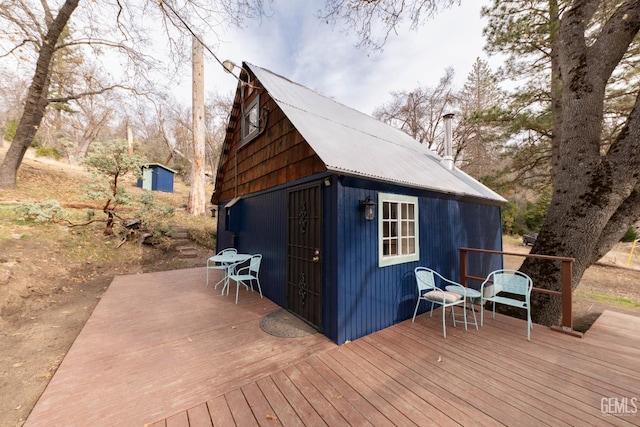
<point x="52" y="276"/>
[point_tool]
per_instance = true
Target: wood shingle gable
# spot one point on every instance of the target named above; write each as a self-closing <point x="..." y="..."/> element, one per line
<point x="277" y="155"/>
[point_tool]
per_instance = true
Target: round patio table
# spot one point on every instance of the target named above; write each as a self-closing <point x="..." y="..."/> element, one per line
<point x="470" y="294"/>
<point x="228" y="260"/>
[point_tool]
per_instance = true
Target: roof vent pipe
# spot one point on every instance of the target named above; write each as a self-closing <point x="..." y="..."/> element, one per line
<point x="447" y="160"/>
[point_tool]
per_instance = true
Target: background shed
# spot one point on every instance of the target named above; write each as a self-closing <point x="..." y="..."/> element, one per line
<point x="156" y="177"/>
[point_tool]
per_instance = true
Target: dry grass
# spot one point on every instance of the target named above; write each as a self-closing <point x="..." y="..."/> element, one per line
<point x="43" y="179"/>
<point x="58" y="273"/>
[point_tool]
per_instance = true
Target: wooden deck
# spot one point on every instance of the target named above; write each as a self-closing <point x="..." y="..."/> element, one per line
<point x="162" y="349"/>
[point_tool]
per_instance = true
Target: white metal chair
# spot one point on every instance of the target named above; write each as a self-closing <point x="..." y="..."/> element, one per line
<point x="246" y="274"/>
<point x="430" y="292"/>
<point x="510" y="281"/>
<point x="213" y="265"/>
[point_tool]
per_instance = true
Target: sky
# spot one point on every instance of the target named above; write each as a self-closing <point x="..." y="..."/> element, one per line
<point x="294" y="43"/>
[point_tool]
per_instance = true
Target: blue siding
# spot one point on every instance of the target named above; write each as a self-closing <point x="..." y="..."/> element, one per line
<point x="258" y="224"/>
<point x="162" y="180"/>
<point x="260" y="227"/>
<point x="371" y="297"/>
<point x="360" y="297"/>
<point x="330" y="260"/>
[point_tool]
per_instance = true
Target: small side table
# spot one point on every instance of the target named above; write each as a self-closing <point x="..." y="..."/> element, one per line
<point x="470" y="294"/>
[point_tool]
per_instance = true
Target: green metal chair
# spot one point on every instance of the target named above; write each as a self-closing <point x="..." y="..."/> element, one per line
<point x="512" y="282"/>
<point x="428" y="291"/>
<point x="246" y="274"/>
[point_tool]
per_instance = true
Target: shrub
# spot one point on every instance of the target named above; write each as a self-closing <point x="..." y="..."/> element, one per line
<point x="630" y="235"/>
<point x="10" y="130"/>
<point x="49" y="211"/>
<point x="48" y="152"/>
<point x="110" y="164"/>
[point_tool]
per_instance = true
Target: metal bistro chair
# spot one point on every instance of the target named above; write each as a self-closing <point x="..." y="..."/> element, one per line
<point x="246" y="274"/>
<point x="510" y="281"/>
<point x="213" y="265"/>
<point x="428" y="291"/>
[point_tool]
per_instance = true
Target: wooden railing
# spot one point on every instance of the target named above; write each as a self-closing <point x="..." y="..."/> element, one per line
<point x="565" y="293"/>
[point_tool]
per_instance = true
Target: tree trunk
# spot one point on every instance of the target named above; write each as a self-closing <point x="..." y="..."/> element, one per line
<point x="196" y="204"/>
<point x="595" y="196"/>
<point x="36" y="101"/>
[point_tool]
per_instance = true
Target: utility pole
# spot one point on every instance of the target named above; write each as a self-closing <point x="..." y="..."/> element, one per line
<point x="196" y="204"/>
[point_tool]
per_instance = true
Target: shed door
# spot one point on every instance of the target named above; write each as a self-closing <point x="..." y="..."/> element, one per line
<point x="147" y="178"/>
<point x="304" y="253"/>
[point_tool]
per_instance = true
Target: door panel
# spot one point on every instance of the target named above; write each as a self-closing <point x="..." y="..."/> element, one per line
<point x="304" y="253"/>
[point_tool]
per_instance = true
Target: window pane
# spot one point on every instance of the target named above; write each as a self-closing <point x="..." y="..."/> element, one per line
<point x="411" y="212"/>
<point x="385" y="210"/>
<point x="408" y="246"/>
<point x="251" y="120"/>
<point x="253" y="117"/>
<point x="393" y="247"/>
<point x="394" y="229"/>
<point x="394" y="211"/>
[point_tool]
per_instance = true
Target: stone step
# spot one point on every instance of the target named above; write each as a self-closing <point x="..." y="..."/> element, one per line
<point x="186" y="252"/>
<point x="179" y="232"/>
<point x="179" y="235"/>
<point x="182" y="242"/>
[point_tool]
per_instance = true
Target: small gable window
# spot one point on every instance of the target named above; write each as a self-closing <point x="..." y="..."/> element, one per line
<point x="398" y="229"/>
<point x="251" y="120"/>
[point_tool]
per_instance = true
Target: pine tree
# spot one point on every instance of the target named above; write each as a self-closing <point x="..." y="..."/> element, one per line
<point x="478" y="136"/>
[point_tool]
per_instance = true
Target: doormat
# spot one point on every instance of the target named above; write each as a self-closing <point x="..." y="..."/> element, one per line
<point x="283" y="324"/>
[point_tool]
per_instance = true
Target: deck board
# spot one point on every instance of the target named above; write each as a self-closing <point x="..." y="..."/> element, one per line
<point x="171" y="342"/>
<point x="264" y="413"/>
<point x="314" y="397"/>
<point x="501" y="383"/>
<point x="192" y="357"/>
<point x="199" y="416"/>
<point x="344" y="392"/>
<point x="284" y="411"/>
<point x="220" y="412"/>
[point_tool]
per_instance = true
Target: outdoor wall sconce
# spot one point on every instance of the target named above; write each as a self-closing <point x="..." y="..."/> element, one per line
<point x="368" y="206"/>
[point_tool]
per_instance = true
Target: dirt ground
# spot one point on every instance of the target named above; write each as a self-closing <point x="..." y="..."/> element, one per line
<point x="52" y="277"/>
<point x="50" y="283"/>
<point x="48" y="308"/>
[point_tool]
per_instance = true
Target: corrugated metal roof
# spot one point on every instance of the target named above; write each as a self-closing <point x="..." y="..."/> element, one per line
<point x="149" y="165"/>
<point x="353" y="143"/>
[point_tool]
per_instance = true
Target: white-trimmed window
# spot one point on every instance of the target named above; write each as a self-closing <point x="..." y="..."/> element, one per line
<point x="398" y="229"/>
<point x="251" y="120"/>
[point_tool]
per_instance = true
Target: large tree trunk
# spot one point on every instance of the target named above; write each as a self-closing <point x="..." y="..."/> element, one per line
<point x="595" y="195"/>
<point x="197" y="200"/>
<point x="36" y="101"/>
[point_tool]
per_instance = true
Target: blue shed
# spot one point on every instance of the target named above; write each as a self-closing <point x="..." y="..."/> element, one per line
<point x="156" y="177"/>
<point x="298" y="173"/>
